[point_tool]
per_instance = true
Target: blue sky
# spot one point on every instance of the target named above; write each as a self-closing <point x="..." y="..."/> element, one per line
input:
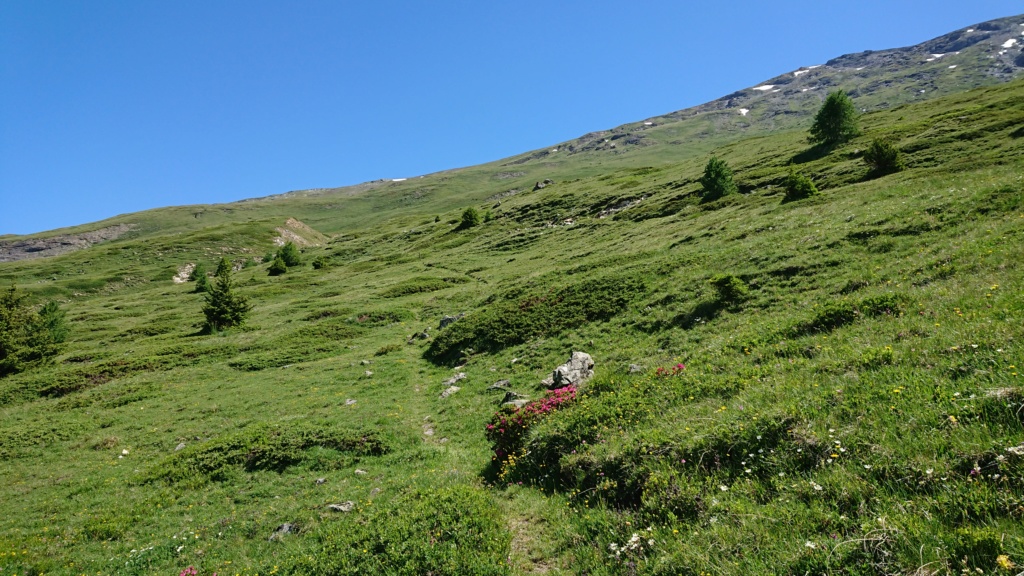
<point x="114" y="107"/>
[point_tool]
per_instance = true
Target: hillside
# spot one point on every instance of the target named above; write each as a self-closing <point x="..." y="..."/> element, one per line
<point x="847" y="401"/>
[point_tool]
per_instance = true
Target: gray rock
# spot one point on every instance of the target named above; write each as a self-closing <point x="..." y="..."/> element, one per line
<point x="320" y="481"/>
<point x="501" y="385"/>
<point x="518" y="403"/>
<point x="349" y="402"/>
<point x="374" y="492"/>
<point x="449" y="391"/>
<point x="511" y="396"/>
<point x="635" y="369"/>
<point x="368" y="373"/>
<point x="447" y="320"/>
<point x="179" y="447"/>
<point x="283" y="529"/>
<point x="576" y="371"/>
<point x="360" y="472"/>
<point x="451" y="381"/>
<point x="364" y="362"/>
<point x="346" y="506"/>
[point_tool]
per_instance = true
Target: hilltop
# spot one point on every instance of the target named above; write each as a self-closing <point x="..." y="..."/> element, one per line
<point x="825" y="385"/>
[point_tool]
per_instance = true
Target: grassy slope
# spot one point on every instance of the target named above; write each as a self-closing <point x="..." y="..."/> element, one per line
<point x="910" y="403"/>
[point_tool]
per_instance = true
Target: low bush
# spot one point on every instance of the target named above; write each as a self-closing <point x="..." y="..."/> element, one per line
<point x="799" y="186"/>
<point x="884" y="158"/>
<point x="730" y="289"/>
<point x="421" y="284"/>
<point x="456" y="530"/>
<point x="517" y="317"/>
<point x="260" y="447"/>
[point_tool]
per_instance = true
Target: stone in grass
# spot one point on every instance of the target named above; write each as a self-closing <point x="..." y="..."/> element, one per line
<point x="179" y="447"/>
<point x="501" y="385"/>
<point x="635" y="369"/>
<point x="451" y="381"/>
<point x="449" y="391"/>
<point x="281" y="531"/>
<point x="360" y="472"/>
<point x="576" y="371"/>
<point x="320" y="481"/>
<point x="346" y="506"/>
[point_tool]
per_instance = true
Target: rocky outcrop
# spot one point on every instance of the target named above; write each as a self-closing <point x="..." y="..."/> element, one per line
<point x="575" y="372"/>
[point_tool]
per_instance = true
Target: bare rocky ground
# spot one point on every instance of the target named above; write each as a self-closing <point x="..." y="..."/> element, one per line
<point x="25" y="249"/>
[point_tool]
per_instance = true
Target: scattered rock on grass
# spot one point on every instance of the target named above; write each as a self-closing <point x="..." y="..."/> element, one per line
<point x="449" y="391"/>
<point x="179" y="447"/>
<point x="451" y="381"/>
<point x="283" y="529"/>
<point x="577" y="370"/>
<point x="346" y="506"/>
<point x="446" y="320"/>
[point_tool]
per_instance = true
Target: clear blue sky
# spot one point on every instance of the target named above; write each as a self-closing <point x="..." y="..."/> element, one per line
<point x="112" y="107"/>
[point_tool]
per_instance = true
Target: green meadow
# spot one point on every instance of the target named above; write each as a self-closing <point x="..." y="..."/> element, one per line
<point x="854" y="404"/>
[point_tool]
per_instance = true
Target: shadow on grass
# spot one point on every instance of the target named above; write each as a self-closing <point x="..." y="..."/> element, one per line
<point x="701" y="313"/>
<point x="816" y="152"/>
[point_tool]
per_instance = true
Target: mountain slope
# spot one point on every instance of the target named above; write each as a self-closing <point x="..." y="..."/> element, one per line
<point x="854" y="407"/>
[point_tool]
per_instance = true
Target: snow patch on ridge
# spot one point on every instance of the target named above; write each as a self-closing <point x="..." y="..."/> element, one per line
<point x="764" y="87"/>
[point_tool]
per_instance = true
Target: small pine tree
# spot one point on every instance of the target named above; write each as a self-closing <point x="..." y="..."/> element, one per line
<point x="884" y="158"/>
<point x="717" y="180"/>
<point x="198" y="275"/>
<point x="836" y="120"/>
<point x="321" y="262"/>
<point x="470" y="218"/>
<point x="277" y="267"/>
<point x="730" y="289"/>
<point x="799" y="186"/>
<point x="27" y="337"/>
<point x="289" y="253"/>
<point x="224" y="307"/>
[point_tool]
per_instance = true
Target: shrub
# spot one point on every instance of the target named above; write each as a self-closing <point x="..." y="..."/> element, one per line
<point x="717" y="180"/>
<point x="260" y="447"/>
<point x="277" y="267"/>
<point x="445" y="531"/>
<point x="799" y="186"/>
<point x="519" y="316"/>
<point x="836" y="120"/>
<point x="508" y="427"/>
<point x="470" y="218"/>
<point x="321" y="262"/>
<point x="884" y="158"/>
<point x="224" y="307"/>
<point x="730" y="289"/>
<point x="198" y="271"/>
<point x="289" y="253"/>
<point x="27" y="337"/>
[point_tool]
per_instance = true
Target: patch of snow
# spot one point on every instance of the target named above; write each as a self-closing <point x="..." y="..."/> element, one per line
<point x="805" y="89"/>
<point x="930" y="60"/>
<point x="1001" y="52"/>
<point x="764" y="87"/>
<point x="799" y="72"/>
<point x="813" y="67"/>
<point x="554" y="149"/>
<point x="953" y="66"/>
<point x="776" y="90"/>
<point x="744" y="111"/>
<point x="859" y="69"/>
<point x="922" y="91"/>
<point x="937" y="55"/>
<point x="970" y="29"/>
<point x="648" y="123"/>
<point x="1009" y="43"/>
<point x="398" y="179"/>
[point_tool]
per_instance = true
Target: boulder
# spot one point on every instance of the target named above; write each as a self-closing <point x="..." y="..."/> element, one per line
<point x="576" y="371"/>
<point x="446" y="320"/>
<point x="449" y="391"/>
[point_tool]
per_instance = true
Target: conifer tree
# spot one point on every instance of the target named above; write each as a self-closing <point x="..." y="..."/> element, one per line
<point x="27" y="337"/>
<point x="717" y="180"/>
<point x="836" y="120"/>
<point x="290" y="254"/>
<point x="224" y="307"/>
